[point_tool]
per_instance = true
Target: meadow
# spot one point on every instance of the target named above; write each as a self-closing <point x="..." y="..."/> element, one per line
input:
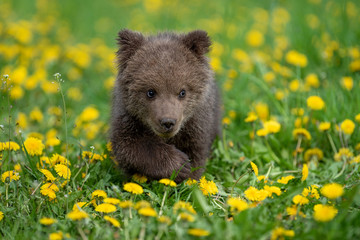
<point x="286" y="167"/>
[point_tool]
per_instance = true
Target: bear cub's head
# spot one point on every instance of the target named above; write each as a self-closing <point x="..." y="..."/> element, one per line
<point x="163" y="80"/>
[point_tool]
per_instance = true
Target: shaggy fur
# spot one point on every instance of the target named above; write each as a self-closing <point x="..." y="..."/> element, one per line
<point x="165" y="112"/>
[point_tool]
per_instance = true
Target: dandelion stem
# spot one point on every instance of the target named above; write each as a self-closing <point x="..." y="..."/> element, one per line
<point x="142" y="232"/>
<point x="232" y="189"/>
<point x="331" y="142"/>
<point x="298" y="145"/>
<point x="342" y="169"/>
<point x="82" y="234"/>
<point x="126" y="227"/>
<point x="163" y="201"/>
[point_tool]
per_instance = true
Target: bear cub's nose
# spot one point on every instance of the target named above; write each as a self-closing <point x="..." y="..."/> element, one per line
<point x="167" y="123"/>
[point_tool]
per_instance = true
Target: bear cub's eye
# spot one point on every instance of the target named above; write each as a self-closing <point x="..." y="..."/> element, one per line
<point x="182" y="94"/>
<point x="150" y="93"/>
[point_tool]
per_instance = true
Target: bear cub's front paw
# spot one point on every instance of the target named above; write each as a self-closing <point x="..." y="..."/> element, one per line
<point x="184" y="166"/>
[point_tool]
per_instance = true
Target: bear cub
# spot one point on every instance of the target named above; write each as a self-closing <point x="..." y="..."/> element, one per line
<point x="165" y="111"/>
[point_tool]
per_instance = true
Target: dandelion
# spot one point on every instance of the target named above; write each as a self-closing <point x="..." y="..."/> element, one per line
<point x="253" y="194"/>
<point x="48" y="175"/>
<point x="186" y="217"/>
<point x="125" y="204"/>
<point x="142" y="204"/>
<point x="47" y="221"/>
<point x="190" y="182"/>
<point x="139" y="178"/>
<point x="63" y="171"/>
<point x="285" y="180"/>
<point x="305" y="172"/>
<point x="280" y="232"/>
<point x="56" y="236"/>
<point x="79" y="205"/>
<point x="34" y="146"/>
<point x="133" y="188"/>
<point x="251" y="117"/>
<point x="164" y="219"/>
<point x="198" y="232"/>
<point x="293" y="211"/>
<point x="272" y="189"/>
<point x="295" y="58"/>
<point x="167" y="182"/>
<point x="324" y="126"/>
<point x="77" y="215"/>
<point x="343" y="154"/>
<point x="324" y="213"/>
<point x="294" y="85"/>
<point x="347" y="126"/>
<point x="332" y="190"/>
<point x="10" y="145"/>
<point x="207" y="187"/>
<point x="237" y="204"/>
<point x="51" y="186"/>
<point x="301" y="132"/>
<point x="105" y="208"/>
<point x="255" y="168"/>
<point x="272" y="126"/>
<point x="313" y="153"/>
<point x="12" y="175"/>
<point x="357" y="118"/>
<point x="315" y="103"/>
<point x="48" y="192"/>
<point x="300" y="200"/>
<point x="147" y="212"/>
<point x="312" y="80"/>
<point x="254" y="38"/>
<point x="347" y="83"/>
<point x="112" y="220"/>
<point x="181" y="205"/>
<point x="98" y="194"/>
<point x="1" y="215"/>
<point x="113" y="201"/>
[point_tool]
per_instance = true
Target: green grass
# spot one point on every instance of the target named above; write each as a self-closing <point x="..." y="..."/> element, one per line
<point x="77" y="40"/>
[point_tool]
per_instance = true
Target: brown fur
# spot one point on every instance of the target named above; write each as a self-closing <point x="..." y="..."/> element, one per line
<point x="168" y="132"/>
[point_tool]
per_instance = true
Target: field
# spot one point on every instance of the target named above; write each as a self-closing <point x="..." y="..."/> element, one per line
<point x="287" y="165"/>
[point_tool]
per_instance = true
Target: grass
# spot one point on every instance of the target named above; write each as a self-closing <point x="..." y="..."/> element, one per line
<point x="250" y="56"/>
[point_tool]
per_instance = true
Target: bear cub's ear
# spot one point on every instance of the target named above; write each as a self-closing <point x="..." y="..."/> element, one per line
<point x="129" y="42"/>
<point x="197" y="41"/>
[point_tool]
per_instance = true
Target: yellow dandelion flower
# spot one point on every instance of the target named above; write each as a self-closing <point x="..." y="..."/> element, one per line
<point x="79" y="205"/>
<point x="147" y="212"/>
<point x="251" y="117"/>
<point x="255" y="195"/>
<point x="272" y="126"/>
<point x="305" y="172"/>
<point x="142" y="204"/>
<point x="56" y="236"/>
<point x="262" y="132"/>
<point x="1" y="215"/>
<point x="262" y="111"/>
<point x="190" y="182"/>
<point x="92" y="156"/>
<point x="12" y="175"/>
<point x="125" y="204"/>
<point x="254" y="38"/>
<point x="112" y="220"/>
<point x="133" y="188"/>
<point x="347" y="83"/>
<point x="33" y="146"/>
<point x="113" y="201"/>
<point x="301" y="132"/>
<point x="164" y="219"/>
<point x="63" y="171"/>
<point x="207" y="187"/>
<point x="262" y="177"/>
<point x="315" y="103"/>
<point x="300" y="200"/>
<point x="58" y="159"/>
<point x="198" y="232"/>
<point x="313" y="153"/>
<point x="357" y="118"/>
<point x="285" y="180"/>
<point x="312" y="80"/>
<point x="237" y="204"/>
<point x="167" y="182"/>
<point x="48" y="175"/>
<point x="89" y="114"/>
<point x="105" y="208"/>
<point x="226" y="121"/>
<point x="51" y="186"/>
<point x="77" y="215"/>
<point x="255" y="168"/>
<point x="295" y="58"/>
<point x="343" y="154"/>
<point x="280" y="232"/>
<point x="98" y="194"/>
<point x="139" y="178"/>
<point x="181" y="205"/>
<point x="332" y="190"/>
<point x="272" y="189"/>
<point x="324" y="213"/>
<point x="186" y="217"/>
<point x="347" y="126"/>
<point x="48" y="192"/>
<point x="294" y="85"/>
<point x="293" y="211"/>
<point x="10" y="145"/>
<point x="324" y="126"/>
<point x="47" y="221"/>
<point x="36" y="115"/>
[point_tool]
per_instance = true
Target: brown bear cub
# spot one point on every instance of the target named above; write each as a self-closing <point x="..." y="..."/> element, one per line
<point x="165" y="112"/>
